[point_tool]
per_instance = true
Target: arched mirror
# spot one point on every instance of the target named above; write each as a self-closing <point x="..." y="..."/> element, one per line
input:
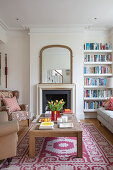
<point x="56" y="64"/>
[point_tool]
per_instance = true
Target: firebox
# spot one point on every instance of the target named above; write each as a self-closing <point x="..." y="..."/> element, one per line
<point x="48" y="95"/>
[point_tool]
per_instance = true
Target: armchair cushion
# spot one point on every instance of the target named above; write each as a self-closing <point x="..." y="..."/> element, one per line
<point x="8" y="127"/>
<point x="12" y="104"/>
<point x="20" y="115"/>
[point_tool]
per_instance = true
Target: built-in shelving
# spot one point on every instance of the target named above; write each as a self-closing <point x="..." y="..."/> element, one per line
<point x="97" y="67"/>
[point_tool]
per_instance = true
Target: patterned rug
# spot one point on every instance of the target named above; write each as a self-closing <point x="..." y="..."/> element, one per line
<point x="60" y="153"/>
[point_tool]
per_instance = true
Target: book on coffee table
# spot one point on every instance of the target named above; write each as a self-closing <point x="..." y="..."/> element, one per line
<point x="67" y="111"/>
<point x="66" y="125"/>
<point x="46" y="125"/>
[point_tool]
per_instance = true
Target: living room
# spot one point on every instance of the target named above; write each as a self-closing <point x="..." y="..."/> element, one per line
<point x="27" y="27"/>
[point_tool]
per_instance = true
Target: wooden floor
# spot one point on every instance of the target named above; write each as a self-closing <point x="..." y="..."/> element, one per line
<point x="101" y="128"/>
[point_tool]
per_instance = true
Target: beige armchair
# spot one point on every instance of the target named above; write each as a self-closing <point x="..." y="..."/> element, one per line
<point x="8" y="136"/>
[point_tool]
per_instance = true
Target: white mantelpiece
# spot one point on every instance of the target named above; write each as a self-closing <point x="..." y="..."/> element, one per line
<point x="41" y="87"/>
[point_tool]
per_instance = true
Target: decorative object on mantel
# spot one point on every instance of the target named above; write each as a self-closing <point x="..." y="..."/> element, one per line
<point x="6" y="68"/>
<point x="0" y="68"/>
<point x="55" y="107"/>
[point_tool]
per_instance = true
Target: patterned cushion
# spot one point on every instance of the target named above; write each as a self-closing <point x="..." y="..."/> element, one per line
<point x="6" y="93"/>
<point x="12" y="104"/>
<point x="20" y="115"/>
<point x="108" y="105"/>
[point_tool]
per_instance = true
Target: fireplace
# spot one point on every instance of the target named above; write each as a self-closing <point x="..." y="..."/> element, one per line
<point x="46" y="92"/>
<point x="48" y="95"/>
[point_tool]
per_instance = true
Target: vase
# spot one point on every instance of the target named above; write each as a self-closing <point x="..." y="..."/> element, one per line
<point x="54" y="115"/>
<point x="58" y="113"/>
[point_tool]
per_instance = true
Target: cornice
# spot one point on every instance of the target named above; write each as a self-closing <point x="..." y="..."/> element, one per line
<point x="56" y="29"/>
<point x="67" y="29"/>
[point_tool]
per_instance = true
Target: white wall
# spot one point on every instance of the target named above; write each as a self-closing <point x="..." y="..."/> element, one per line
<point x="17" y="49"/>
<point x="3" y="36"/>
<point x="75" y="42"/>
<point x="23" y="70"/>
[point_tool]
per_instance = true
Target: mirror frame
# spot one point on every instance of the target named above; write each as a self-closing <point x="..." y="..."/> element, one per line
<point x="51" y="46"/>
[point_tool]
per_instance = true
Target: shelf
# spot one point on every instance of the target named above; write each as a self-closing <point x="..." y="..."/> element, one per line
<point x="90" y="110"/>
<point x="95" y="98"/>
<point x="97" y="51"/>
<point x="96" y="63"/>
<point x="94" y="87"/>
<point x="97" y="75"/>
<point x="96" y="60"/>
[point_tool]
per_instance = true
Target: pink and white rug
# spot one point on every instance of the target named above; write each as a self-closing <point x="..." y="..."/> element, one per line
<point x="60" y="153"/>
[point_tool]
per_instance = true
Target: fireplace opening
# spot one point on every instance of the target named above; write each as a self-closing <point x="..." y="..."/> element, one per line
<point x="48" y="95"/>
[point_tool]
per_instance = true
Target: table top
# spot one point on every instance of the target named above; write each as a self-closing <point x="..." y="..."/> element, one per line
<point x="71" y="119"/>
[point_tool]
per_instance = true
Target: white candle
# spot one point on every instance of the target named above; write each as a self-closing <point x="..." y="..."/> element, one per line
<point x="59" y="120"/>
<point x="64" y="119"/>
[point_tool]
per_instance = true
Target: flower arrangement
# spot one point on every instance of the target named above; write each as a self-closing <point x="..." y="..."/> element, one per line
<point x="56" y="106"/>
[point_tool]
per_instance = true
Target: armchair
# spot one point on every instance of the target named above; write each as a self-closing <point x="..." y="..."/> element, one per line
<point x="8" y="136"/>
<point x="20" y="115"/>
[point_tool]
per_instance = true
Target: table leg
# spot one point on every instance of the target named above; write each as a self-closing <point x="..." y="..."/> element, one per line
<point x="31" y="146"/>
<point x="79" y="145"/>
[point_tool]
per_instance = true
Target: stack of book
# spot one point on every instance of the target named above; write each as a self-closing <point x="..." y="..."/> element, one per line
<point x="98" y="70"/>
<point x="46" y="125"/>
<point x="97" y="46"/>
<point x="67" y="111"/>
<point x="93" y="104"/>
<point x="98" y="58"/>
<point x="97" y="93"/>
<point x="95" y="81"/>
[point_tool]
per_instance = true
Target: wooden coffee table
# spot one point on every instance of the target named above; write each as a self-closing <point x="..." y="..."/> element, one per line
<point x="76" y="131"/>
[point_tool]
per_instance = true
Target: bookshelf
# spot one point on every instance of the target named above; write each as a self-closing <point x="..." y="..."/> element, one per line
<point x="97" y="68"/>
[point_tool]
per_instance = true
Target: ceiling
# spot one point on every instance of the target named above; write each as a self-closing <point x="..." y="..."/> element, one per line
<point x="56" y="13"/>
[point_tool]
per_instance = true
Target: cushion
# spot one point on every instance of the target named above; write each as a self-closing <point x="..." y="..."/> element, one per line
<point x="108" y="105"/>
<point x="5" y="93"/>
<point x="20" y="115"/>
<point x="12" y="104"/>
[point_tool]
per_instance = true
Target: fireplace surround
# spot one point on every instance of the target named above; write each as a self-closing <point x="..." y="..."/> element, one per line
<point x="64" y="89"/>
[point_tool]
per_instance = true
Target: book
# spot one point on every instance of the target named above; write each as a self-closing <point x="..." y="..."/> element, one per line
<point x="46" y="125"/>
<point x="67" y="111"/>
